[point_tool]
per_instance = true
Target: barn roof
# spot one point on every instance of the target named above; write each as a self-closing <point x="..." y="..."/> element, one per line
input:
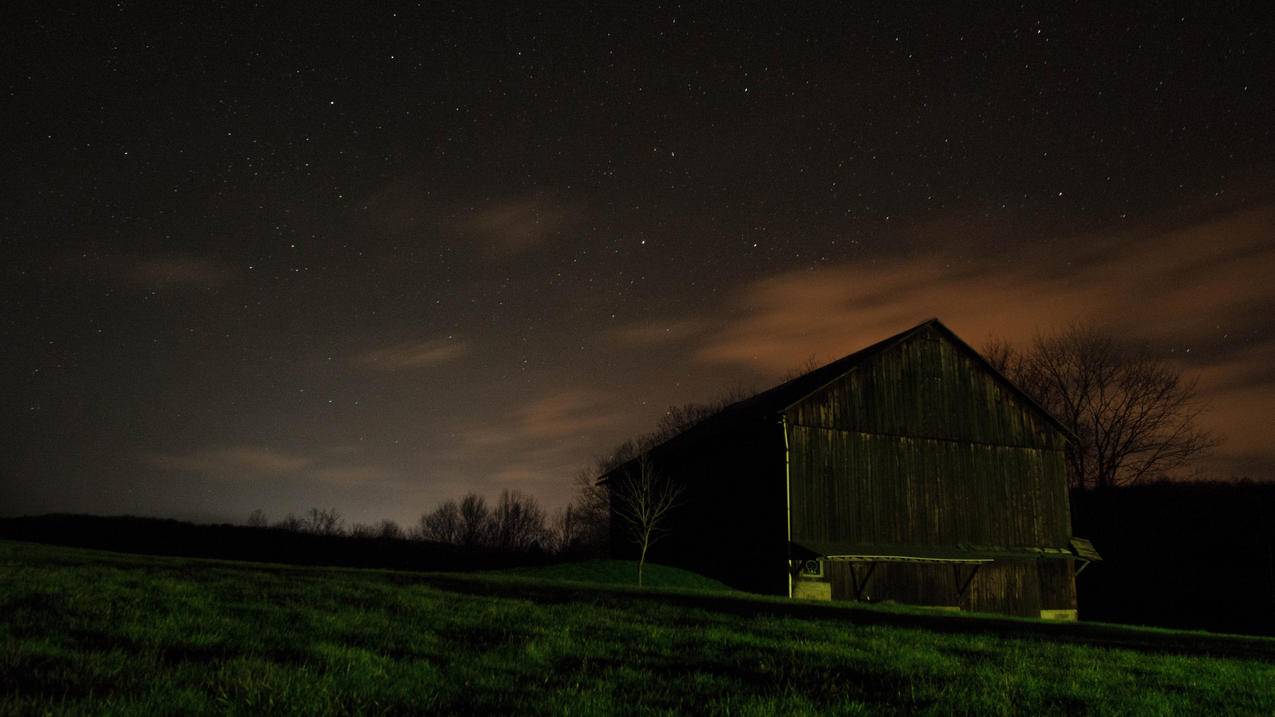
<point x="769" y="404"/>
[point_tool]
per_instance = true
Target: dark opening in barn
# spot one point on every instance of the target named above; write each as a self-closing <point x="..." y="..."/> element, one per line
<point x="909" y="471"/>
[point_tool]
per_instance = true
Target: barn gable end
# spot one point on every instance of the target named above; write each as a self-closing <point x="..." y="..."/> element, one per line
<point x="929" y="384"/>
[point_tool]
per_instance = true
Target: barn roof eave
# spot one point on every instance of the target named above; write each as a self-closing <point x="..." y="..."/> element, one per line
<point x="960" y="552"/>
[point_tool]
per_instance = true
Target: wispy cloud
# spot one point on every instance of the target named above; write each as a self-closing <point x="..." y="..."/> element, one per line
<point x="564" y="414"/>
<point x="417" y="354"/>
<point x="178" y="270"/>
<point x="513" y="226"/>
<point x="656" y="332"/>
<point x="231" y="462"/>
<point x="355" y="474"/>
<point x="248" y="462"/>
<point x="538" y="445"/>
<point x="1161" y="285"/>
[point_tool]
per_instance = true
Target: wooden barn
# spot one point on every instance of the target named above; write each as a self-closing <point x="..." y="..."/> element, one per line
<point x="909" y="471"/>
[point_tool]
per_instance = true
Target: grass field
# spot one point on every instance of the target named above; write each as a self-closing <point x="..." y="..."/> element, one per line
<point x="619" y="572"/>
<point x="86" y="631"/>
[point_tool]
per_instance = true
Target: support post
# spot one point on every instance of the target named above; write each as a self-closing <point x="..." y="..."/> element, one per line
<point x="783" y="426"/>
<point x="963" y="586"/>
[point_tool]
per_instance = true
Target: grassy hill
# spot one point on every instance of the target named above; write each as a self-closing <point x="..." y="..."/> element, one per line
<point x="85" y="631"/>
<point x="619" y="572"/>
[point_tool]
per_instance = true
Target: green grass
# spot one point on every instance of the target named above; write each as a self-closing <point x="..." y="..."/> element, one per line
<point x="620" y="572"/>
<point x="85" y="631"/>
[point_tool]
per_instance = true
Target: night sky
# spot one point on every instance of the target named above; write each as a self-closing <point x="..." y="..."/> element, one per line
<point x="378" y="256"/>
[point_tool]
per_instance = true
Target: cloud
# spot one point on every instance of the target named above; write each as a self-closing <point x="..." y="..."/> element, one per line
<point x="514" y="226"/>
<point x="565" y="414"/>
<point x="1163" y="285"/>
<point x="231" y="462"/>
<point x="413" y="354"/>
<point x="538" y="446"/>
<point x="652" y="333"/>
<point x="179" y="270"/>
<point x="1200" y="293"/>
<point x="355" y="475"/>
<point x="254" y="462"/>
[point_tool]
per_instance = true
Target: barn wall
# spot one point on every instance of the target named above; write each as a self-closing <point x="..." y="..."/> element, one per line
<point x="865" y="488"/>
<point x="731" y="525"/>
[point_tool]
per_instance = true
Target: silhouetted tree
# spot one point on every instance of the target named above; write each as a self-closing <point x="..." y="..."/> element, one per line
<point x="591" y="506"/>
<point x="468" y="523"/>
<point x="362" y="530"/>
<point x="563" y="532"/>
<point x="517" y="523"/>
<point x="1135" y="416"/>
<point x="291" y="522"/>
<point x="389" y="530"/>
<point x="642" y="499"/>
<point x="475" y="520"/>
<point x="590" y="517"/>
<point x="443" y="525"/>
<point x="324" y="521"/>
<point x="257" y="519"/>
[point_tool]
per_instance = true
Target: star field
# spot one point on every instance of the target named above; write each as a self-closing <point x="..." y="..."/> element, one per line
<point x="375" y="257"/>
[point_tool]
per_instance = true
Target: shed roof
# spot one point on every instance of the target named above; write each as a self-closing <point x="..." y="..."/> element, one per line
<point x="768" y="404"/>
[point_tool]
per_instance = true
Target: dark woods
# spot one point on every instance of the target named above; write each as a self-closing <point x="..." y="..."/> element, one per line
<point x="458" y="536"/>
<point x="287" y="543"/>
<point x="1198" y="555"/>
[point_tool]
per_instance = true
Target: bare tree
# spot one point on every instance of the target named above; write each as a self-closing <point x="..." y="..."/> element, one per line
<point x="642" y="499"/>
<point x="362" y="530"/>
<point x="517" y="523"/>
<point x="257" y="519"/>
<point x="475" y="520"/>
<point x="291" y="522"/>
<point x="810" y="363"/>
<point x="590" y="514"/>
<point x="1134" y="415"/>
<point x="324" y="521"/>
<point x="564" y="531"/>
<point x="1003" y="357"/>
<point x="389" y="530"/>
<point x="591" y="507"/>
<point x="443" y="524"/>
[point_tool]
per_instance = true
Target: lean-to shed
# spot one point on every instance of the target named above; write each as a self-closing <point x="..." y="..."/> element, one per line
<point x="909" y="471"/>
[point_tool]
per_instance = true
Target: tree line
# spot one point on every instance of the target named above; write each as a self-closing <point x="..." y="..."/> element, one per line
<point x="515" y="522"/>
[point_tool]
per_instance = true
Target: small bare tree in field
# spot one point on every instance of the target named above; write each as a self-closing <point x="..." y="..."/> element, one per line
<point x="643" y="499"/>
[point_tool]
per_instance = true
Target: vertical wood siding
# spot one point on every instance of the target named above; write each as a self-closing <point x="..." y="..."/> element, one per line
<point x="920" y="445"/>
<point x="1013" y="587"/>
<point x="863" y="488"/>
<point x="927" y="387"/>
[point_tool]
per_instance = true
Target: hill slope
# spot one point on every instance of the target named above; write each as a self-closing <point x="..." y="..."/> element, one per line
<point x="90" y="631"/>
<point x="619" y="572"/>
